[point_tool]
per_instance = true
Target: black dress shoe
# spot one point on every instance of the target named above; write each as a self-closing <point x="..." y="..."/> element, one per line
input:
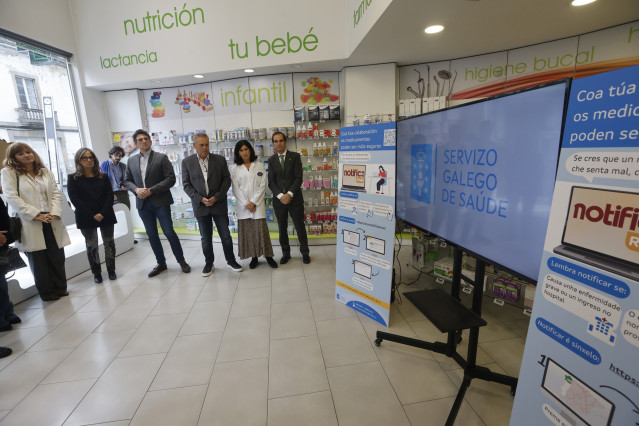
<point x="64" y="293"/>
<point x="158" y="268"/>
<point x="272" y="263"/>
<point x="49" y="298"/>
<point x="113" y="275"/>
<point x="185" y="267"/>
<point x="14" y="319"/>
<point x="6" y="327"/>
<point x="284" y="260"/>
<point x="4" y="352"/>
<point x="97" y="278"/>
<point x="306" y="259"/>
<point x="253" y="263"/>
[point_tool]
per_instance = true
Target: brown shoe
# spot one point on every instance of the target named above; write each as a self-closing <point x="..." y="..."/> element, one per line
<point x="158" y="268"/>
<point x="185" y="267"/>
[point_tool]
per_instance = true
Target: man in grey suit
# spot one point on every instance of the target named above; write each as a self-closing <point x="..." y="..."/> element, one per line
<point x="285" y="180"/>
<point x="150" y="176"/>
<point x="206" y="180"/>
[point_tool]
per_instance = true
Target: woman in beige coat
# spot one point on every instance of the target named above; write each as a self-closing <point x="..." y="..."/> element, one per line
<point x="32" y="192"/>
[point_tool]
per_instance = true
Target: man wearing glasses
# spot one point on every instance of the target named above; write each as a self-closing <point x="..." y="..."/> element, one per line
<point x="206" y="180"/>
<point x="150" y="176"/>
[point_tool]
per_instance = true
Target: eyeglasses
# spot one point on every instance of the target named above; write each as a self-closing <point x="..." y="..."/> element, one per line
<point x="87" y="158"/>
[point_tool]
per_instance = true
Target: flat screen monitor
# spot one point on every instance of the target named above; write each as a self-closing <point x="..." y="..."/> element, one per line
<point x="482" y="175"/>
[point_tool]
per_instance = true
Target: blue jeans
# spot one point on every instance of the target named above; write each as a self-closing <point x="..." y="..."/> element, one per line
<point x="150" y="215"/>
<point x="206" y="232"/>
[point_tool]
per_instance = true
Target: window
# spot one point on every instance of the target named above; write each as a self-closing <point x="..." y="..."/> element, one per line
<point x="27" y="92"/>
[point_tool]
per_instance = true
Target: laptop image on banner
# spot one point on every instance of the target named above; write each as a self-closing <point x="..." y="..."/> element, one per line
<point x="602" y="230"/>
<point x="354" y="177"/>
<point x="362" y="269"/>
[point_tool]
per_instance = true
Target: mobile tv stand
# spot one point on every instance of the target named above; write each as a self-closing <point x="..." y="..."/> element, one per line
<point x="448" y="314"/>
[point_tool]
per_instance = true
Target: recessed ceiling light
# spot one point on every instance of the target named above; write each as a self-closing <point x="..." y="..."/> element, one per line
<point x="297" y="66"/>
<point x="198" y="76"/>
<point x="581" y="2"/>
<point x="155" y="81"/>
<point x="249" y="70"/>
<point x="434" y="29"/>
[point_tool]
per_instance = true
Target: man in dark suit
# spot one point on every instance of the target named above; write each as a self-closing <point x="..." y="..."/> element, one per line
<point x="150" y="176"/>
<point x="285" y="179"/>
<point x="206" y="180"/>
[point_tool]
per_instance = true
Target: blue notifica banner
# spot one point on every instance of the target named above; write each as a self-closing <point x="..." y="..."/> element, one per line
<point x="366" y="219"/>
<point x="581" y="355"/>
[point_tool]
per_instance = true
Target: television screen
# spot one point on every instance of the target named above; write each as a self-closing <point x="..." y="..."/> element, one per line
<point x="482" y="175"/>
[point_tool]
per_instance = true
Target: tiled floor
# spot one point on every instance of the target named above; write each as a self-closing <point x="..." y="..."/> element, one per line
<point x="253" y="348"/>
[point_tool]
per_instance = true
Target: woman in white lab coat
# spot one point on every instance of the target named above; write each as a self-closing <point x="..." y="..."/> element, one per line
<point x="32" y="192"/>
<point x="248" y="177"/>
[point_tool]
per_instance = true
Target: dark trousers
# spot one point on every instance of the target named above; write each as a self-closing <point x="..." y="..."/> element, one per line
<point x="47" y="266"/>
<point x="296" y="211"/>
<point x="6" y="307"/>
<point x="123" y="197"/>
<point x="150" y="215"/>
<point x="93" y="253"/>
<point x="206" y="232"/>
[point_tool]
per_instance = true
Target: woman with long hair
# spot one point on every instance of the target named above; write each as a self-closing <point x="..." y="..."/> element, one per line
<point x="248" y="179"/>
<point x="91" y="193"/>
<point x="32" y="192"/>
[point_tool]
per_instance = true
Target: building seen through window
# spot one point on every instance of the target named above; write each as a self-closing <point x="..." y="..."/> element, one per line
<point x="27" y="74"/>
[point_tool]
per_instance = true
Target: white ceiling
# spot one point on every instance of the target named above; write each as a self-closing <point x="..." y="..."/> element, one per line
<point x="472" y="27"/>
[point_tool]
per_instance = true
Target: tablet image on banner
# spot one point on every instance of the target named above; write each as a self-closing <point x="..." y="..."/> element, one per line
<point x="363" y="269"/>
<point x="376" y="245"/>
<point x="579" y="403"/>
<point x="350" y="237"/>
<point x="602" y="230"/>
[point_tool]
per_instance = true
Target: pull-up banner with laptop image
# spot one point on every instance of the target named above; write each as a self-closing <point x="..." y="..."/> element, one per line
<point x="581" y="359"/>
<point x="366" y="219"/>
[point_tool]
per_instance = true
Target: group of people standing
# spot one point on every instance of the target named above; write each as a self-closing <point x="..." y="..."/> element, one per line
<point x="206" y="179"/>
<point x="33" y="194"/>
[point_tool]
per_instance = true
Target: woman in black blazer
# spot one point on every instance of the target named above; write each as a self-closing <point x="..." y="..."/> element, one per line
<point x="91" y="193"/>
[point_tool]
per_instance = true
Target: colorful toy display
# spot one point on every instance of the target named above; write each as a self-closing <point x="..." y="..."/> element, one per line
<point x="158" y="109"/>
<point x="317" y="91"/>
<point x="199" y="99"/>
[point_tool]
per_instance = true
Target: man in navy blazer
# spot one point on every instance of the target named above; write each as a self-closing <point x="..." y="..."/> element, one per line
<point x="208" y="197"/>
<point x="150" y="176"/>
<point x="285" y="180"/>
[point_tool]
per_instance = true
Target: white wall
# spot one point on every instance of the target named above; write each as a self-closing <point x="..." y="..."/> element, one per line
<point x="45" y="21"/>
<point x="370" y="90"/>
<point x="124" y="110"/>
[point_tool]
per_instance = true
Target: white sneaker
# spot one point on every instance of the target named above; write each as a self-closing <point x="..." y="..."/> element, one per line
<point x="208" y="270"/>
<point x="235" y="266"/>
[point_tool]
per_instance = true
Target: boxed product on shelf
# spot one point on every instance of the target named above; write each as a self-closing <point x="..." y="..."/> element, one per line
<point x="334" y="112"/>
<point x="506" y="288"/>
<point x="313" y="113"/>
<point x="444" y="268"/>
<point x="529" y="295"/>
<point x="191" y="225"/>
<point x="419" y="253"/>
<point x="300" y="113"/>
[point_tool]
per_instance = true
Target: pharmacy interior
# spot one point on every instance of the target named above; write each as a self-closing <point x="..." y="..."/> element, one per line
<point x="323" y="76"/>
